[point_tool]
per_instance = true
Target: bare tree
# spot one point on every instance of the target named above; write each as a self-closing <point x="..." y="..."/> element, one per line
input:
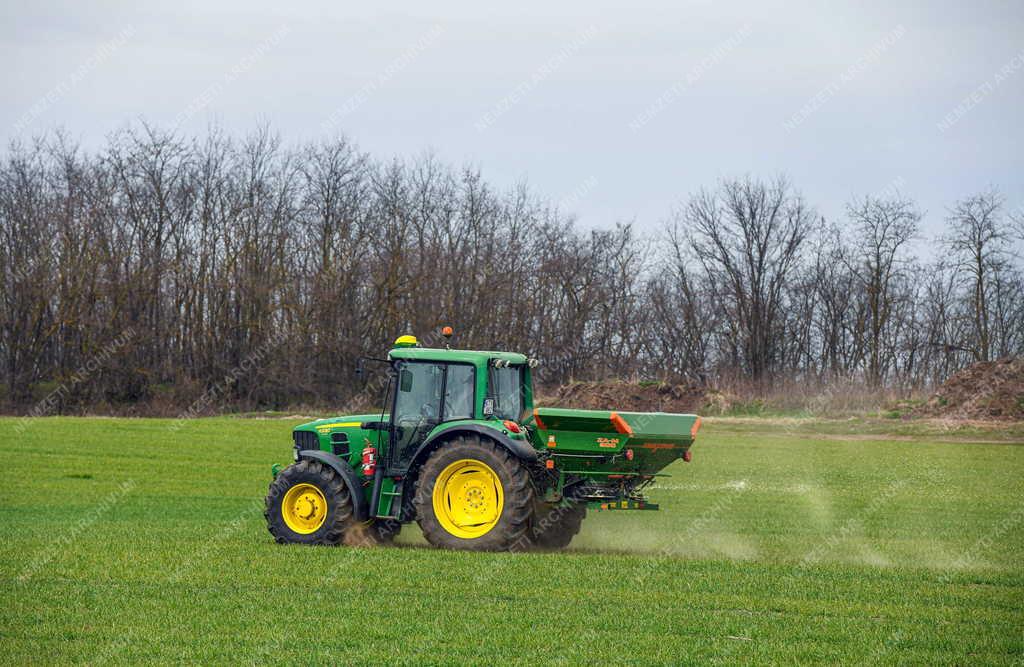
<point x="835" y="316"/>
<point x="747" y="237"/>
<point x="881" y="229"/>
<point x="218" y="250"/>
<point x="684" y="315"/>
<point x="979" y="239"/>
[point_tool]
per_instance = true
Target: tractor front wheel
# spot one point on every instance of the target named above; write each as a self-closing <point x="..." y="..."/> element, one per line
<point x="308" y="503"/>
<point x="474" y="495"/>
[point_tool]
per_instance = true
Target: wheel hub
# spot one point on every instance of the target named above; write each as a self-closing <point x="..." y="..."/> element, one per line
<point x="468" y="498"/>
<point x="304" y="508"/>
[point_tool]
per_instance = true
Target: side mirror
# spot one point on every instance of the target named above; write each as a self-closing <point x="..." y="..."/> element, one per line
<point x="488" y="407"/>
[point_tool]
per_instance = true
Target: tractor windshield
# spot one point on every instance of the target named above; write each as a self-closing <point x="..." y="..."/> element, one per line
<point x="505" y="386"/>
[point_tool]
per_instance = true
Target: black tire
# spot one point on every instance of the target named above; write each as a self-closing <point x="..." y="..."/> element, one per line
<point x="339" y="519"/>
<point x="386" y="530"/>
<point x="379" y="532"/>
<point x="511" y="532"/>
<point x="554" y="526"/>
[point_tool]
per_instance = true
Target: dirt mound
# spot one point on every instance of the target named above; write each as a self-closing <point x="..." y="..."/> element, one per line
<point x="633" y="397"/>
<point x="986" y="390"/>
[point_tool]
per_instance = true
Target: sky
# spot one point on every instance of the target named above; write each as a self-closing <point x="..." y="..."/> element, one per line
<point x="618" y="111"/>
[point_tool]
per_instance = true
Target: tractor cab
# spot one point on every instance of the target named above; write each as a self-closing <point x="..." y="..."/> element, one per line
<point x="431" y="388"/>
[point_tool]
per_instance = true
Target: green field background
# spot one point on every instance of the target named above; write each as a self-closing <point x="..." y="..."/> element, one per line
<point x="130" y="540"/>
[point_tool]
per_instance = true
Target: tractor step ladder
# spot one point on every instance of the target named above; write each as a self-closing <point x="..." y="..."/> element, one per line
<point x="396" y="495"/>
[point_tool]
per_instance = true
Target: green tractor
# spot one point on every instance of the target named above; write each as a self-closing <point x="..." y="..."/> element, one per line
<point x="460" y="449"/>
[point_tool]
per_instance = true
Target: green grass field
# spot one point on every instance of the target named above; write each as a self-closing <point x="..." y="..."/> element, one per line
<point x="785" y="541"/>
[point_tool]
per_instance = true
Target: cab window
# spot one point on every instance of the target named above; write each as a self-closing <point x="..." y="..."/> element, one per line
<point x="419" y="393"/>
<point x="505" y="388"/>
<point x="458" y="392"/>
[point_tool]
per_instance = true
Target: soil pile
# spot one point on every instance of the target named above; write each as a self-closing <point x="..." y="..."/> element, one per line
<point x="633" y="397"/>
<point x="986" y="390"/>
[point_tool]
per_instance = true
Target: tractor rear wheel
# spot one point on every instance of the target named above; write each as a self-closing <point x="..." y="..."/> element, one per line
<point x="474" y="495"/>
<point x="308" y="503"/>
<point x="554" y="526"/>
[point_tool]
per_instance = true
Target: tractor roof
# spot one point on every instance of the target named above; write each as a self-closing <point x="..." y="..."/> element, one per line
<point x="476" y="357"/>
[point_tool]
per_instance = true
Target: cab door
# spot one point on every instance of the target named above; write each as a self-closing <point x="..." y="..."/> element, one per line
<point x="427" y="394"/>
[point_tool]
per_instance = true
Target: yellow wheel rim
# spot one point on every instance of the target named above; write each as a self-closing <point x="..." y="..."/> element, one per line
<point x="468" y="499"/>
<point x="304" y="508"/>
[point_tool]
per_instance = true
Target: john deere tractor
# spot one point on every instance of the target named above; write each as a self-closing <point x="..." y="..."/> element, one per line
<point x="460" y="449"/>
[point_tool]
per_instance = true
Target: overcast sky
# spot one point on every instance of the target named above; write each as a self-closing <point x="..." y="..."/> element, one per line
<point x="617" y="109"/>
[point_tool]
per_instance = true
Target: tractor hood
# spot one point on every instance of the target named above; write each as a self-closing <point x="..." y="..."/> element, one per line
<point x="336" y="423"/>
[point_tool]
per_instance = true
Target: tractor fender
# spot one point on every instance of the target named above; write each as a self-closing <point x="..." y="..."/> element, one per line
<point x="518" y="448"/>
<point x="355" y="489"/>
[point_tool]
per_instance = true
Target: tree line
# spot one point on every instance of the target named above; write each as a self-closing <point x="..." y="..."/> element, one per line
<point x="263" y="272"/>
